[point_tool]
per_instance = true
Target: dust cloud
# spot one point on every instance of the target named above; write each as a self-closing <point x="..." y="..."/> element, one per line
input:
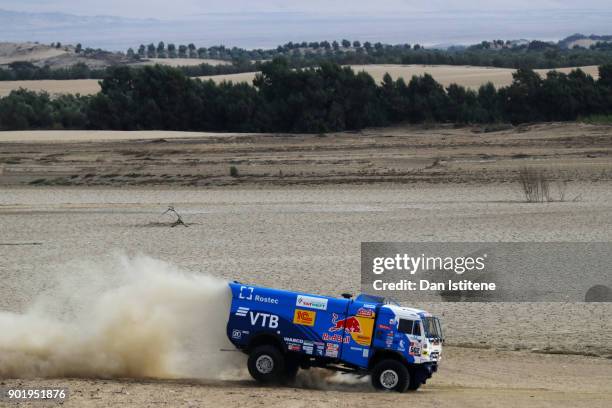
<point x="121" y="317"/>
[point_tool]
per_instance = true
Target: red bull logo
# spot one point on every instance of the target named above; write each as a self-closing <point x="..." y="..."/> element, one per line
<point x="350" y="324"/>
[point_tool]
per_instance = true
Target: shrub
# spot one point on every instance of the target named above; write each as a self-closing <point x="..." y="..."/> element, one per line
<point x="534" y="184"/>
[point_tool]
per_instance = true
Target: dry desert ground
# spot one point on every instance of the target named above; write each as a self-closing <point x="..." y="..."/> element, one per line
<point x="294" y="218"/>
<point x="404" y="154"/>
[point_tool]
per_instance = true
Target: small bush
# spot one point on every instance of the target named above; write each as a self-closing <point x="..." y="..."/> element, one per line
<point x="234" y="171"/>
<point x="534" y="184"/>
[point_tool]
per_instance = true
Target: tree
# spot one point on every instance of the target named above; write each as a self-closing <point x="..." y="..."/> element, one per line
<point x="78" y="48"/>
<point x="346" y="43"/>
<point x="356" y="44"/>
<point x="130" y="53"/>
<point x="161" y="50"/>
<point x="182" y="51"/>
<point x="171" y="51"/>
<point x="521" y="98"/>
<point x="335" y="45"/>
<point x="141" y="51"/>
<point x="151" y="52"/>
<point x="192" y="51"/>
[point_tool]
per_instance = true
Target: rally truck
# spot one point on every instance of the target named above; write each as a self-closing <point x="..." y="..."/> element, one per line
<point x="283" y="331"/>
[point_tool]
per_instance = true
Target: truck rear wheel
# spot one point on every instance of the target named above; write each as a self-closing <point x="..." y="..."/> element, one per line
<point x="292" y="367"/>
<point x="390" y="375"/>
<point x="266" y="364"/>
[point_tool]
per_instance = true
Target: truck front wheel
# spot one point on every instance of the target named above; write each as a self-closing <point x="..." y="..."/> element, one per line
<point x="266" y="364"/>
<point x="390" y="375"/>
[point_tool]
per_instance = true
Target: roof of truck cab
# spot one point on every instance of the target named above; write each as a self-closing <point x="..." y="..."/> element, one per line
<point x="402" y="310"/>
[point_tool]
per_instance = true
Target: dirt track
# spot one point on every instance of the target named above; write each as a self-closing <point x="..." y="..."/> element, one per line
<point x="404" y="154"/>
<point x="277" y="235"/>
<point x="467" y="378"/>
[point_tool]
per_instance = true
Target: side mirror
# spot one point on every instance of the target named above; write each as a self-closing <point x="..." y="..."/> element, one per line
<point x="347" y="295"/>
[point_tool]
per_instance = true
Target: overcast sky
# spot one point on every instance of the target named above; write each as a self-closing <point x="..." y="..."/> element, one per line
<point x="181" y="8"/>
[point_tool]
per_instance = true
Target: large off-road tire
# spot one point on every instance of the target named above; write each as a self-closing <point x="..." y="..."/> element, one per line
<point x="415" y="381"/>
<point x="291" y="369"/>
<point x="267" y="364"/>
<point x="390" y="375"/>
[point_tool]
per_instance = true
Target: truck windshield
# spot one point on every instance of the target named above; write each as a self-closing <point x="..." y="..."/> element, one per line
<point x="432" y="327"/>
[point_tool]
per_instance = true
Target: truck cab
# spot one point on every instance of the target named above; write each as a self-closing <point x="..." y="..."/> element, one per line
<point x="283" y="331"/>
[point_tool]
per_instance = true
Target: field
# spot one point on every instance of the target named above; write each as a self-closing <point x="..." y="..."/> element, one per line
<point x="471" y="77"/>
<point x="294" y="218"/>
<point x="177" y="62"/>
<point x="404" y="154"/>
<point x="308" y="239"/>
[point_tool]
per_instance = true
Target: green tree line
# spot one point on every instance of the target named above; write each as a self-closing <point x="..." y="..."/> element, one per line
<point x="532" y="55"/>
<point x="326" y="98"/>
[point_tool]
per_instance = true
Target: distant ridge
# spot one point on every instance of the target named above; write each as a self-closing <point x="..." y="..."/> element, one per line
<point x="583" y="40"/>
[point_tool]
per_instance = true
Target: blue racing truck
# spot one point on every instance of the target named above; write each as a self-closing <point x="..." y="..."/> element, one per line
<point x="283" y="331"/>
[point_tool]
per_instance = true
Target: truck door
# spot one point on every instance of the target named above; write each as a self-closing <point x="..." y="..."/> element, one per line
<point x="357" y="331"/>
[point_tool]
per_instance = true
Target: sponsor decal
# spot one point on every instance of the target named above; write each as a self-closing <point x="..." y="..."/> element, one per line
<point x="304" y="317"/>
<point x="293" y="340"/>
<point x="389" y="340"/>
<point x="311" y="302"/>
<point x="331" y="350"/>
<point x="366" y="353"/>
<point x="350" y="324"/>
<point x="293" y="347"/>
<point x="369" y="306"/>
<point x="401" y="346"/>
<point x="336" y="337"/>
<point x="320" y="348"/>
<point x="359" y="328"/>
<point x="246" y="293"/>
<point x="266" y="299"/>
<point x="357" y="348"/>
<point x="363" y="312"/>
<point x="308" y="347"/>
<point x="242" y="311"/>
<point x="384" y="327"/>
<point x="258" y="318"/>
<point x="236" y="334"/>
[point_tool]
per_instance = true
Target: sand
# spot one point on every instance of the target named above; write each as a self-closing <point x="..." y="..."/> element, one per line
<point x="402" y="154"/>
<point x="468" y="76"/>
<point x="308" y="239"/>
<point x="467" y="378"/>
<point x="295" y="219"/>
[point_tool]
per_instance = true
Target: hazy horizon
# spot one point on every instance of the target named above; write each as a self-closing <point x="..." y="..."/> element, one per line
<point x="48" y="22"/>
